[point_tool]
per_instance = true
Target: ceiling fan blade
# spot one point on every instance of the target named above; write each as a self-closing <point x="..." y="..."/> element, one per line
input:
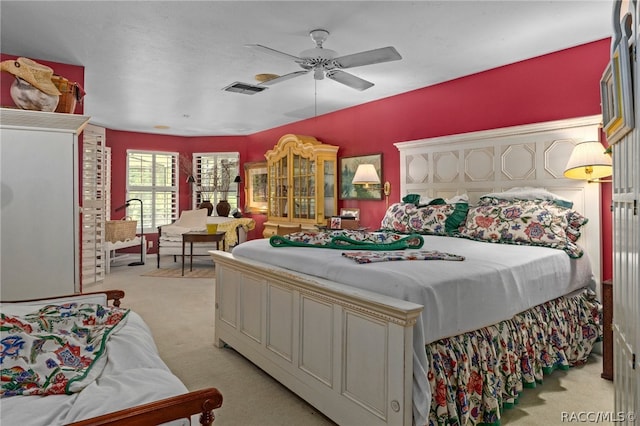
<point x="349" y="79"/>
<point x="270" y="51"/>
<point x="375" y="56"/>
<point x="283" y="78"/>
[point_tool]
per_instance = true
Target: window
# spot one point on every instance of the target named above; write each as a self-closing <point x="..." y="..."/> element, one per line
<point x="152" y="178"/>
<point x="215" y="174"/>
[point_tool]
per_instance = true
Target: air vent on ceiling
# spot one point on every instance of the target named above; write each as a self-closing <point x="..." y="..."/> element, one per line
<point x="246" y="88"/>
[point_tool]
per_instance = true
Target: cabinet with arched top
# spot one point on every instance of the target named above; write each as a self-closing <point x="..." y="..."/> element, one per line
<point x="301" y="184"/>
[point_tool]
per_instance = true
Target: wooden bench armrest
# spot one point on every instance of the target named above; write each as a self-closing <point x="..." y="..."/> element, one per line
<point x="114" y="295"/>
<point x="201" y="402"/>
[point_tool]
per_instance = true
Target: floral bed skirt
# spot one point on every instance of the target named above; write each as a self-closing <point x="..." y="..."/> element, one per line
<point x="475" y="375"/>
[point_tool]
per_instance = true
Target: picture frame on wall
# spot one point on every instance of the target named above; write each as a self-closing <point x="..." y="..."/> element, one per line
<point x="616" y="94"/>
<point x="255" y="177"/>
<point x="348" y="167"/>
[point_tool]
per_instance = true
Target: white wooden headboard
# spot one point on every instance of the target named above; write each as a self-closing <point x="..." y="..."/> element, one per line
<point x="487" y="161"/>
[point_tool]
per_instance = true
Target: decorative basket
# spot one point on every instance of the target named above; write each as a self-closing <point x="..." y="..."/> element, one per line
<point x="120" y="230"/>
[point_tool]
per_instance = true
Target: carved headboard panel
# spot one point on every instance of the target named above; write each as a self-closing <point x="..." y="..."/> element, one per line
<point x="481" y="162"/>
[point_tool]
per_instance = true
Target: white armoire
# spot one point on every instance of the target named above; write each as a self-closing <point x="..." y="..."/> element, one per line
<point x="39" y="216"/>
<point x="621" y="118"/>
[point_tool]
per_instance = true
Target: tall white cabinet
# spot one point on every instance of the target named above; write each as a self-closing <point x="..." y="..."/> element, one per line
<point x="39" y="215"/>
<point x="626" y="216"/>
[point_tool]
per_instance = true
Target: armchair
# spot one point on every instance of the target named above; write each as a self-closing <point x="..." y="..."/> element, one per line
<point x="170" y="236"/>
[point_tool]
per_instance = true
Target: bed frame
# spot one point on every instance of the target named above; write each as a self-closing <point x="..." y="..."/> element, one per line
<point x="201" y="402"/>
<point x="348" y="352"/>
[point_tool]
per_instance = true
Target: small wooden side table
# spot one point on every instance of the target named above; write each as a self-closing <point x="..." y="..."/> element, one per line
<point x="200" y="237"/>
<point x="606" y="289"/>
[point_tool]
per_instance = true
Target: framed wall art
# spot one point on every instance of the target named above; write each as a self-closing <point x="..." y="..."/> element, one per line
<point x="616" y="94"/>
<point x="255" y="177"/>
<point x="348" y="167"/>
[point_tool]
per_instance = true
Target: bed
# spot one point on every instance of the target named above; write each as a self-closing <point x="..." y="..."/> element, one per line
<point x="128" y="383"/>
<point x="434" y="341"/>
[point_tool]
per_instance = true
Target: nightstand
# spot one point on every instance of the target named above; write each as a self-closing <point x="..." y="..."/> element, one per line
<point x="607" y="333"/>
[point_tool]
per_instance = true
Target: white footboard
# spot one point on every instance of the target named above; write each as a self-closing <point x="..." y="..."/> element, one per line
<point x="347" y="352"/>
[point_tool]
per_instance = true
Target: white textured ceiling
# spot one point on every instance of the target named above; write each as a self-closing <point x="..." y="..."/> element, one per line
<point x="150" y="63"/>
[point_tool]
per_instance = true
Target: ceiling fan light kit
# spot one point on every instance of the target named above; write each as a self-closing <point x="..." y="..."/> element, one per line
<point x="326" y="62"/>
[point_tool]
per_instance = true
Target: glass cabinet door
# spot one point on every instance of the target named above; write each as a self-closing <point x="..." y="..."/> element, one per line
<point x="303" y="181"/>
<point x="278" y="188"/>
<point x="329" y="167"/>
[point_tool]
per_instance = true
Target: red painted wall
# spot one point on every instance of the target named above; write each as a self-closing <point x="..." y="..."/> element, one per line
<point x="120" y="142"/>
<point x="556" y="86"/>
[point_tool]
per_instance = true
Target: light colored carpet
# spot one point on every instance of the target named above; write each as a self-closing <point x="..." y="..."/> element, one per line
<point x="180" y="314"/>
<point x="200" y="271"/>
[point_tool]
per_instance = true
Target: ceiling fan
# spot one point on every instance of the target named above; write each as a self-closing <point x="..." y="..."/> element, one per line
<point x="326" y="62"/>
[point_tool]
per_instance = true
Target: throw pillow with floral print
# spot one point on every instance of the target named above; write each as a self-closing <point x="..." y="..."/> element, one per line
<point x="434" y="219"/>
<point x="524" y="222"/>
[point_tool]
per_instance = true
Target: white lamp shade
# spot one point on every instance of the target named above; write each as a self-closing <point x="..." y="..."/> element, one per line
<point x="365" y="174"/>
<point x="588" y="161"/>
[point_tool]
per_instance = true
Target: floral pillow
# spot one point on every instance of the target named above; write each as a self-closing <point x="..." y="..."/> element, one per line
<point x="526" y="222"/>
<point x="575" y="222"/>
<point x="529" y="193"/>
<point x="435" y="219"/>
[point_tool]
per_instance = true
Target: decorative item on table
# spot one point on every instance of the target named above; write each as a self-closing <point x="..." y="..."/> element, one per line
<point x="212" y="228"/>
<point x="335" y="222"/>
<point x="237" y="213"/>
<point x="33" y="88"/>
<point x="206" y="204"/>
<point x="349" y="213"/>
<point x="70" y="94"/>
<point x="350" y="218"/>
<point x="223" y="208"/>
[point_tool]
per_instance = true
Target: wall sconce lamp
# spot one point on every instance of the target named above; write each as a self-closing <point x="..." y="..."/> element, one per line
<point x="589" y="162"/>
<point x="366" y="175"/>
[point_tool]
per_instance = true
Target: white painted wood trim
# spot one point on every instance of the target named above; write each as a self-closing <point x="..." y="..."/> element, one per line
<point x="478" y="163"/>
<point x="324" y="330"/>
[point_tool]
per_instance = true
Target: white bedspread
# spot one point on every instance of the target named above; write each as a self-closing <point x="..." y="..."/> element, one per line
<point x="492" y="284"/>
<point x="134" y="374"/>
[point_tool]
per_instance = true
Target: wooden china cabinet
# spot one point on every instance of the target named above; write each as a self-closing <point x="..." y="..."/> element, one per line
<point x="302" y="184"/>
